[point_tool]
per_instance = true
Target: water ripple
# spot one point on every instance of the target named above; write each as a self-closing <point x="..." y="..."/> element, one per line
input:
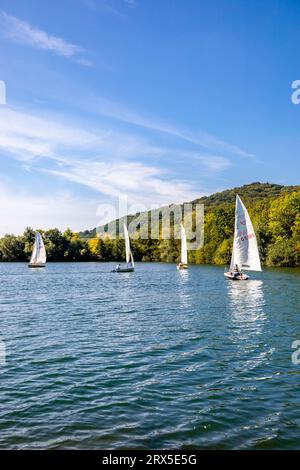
<point x="154" y="359"/>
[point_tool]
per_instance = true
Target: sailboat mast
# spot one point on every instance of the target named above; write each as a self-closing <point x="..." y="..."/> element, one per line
<point x="233" y="262"/>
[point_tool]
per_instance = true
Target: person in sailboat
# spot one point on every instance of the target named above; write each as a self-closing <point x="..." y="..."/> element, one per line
<point x="118" y="267"/>
<point x="236" y="271"/>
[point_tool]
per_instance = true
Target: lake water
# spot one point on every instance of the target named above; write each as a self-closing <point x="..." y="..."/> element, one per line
<point x="158" y="358"/>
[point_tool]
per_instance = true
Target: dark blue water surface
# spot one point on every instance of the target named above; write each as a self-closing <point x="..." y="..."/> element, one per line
<point x="158" y="358"/>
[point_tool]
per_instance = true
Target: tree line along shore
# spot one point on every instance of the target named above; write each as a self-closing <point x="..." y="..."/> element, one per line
<point x="274" y="210"/>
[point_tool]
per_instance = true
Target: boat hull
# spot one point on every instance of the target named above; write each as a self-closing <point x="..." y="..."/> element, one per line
<point x="238" y="277"/>
<point x="123" y="270"/>
<point x="37" y="265"/>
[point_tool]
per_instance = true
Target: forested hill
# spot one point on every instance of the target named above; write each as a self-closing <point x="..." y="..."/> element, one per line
<point x="250" y="193"/>
<point x="274" y="210"/>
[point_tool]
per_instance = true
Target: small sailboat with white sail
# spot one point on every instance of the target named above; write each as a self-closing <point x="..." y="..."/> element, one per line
<point x="38" y="256"/>
<point x="183" y="264"/>
<point x="129" y="268"/>
<point x="245" y="254"/>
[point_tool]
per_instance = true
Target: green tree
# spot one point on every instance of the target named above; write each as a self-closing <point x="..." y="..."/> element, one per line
<point x="96" y="248"/>
<point x="56" y="244"/>
<point x="78" y="249"/>
<point x="283" y="215"/>
<point x="283" y="253"/>
<point x="28" y="239"/>
<point x="223" y="252"/>
<point x="12" y="248"/>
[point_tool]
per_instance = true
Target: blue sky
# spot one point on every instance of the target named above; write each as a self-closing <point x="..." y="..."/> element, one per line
<point x="154" y="101"/>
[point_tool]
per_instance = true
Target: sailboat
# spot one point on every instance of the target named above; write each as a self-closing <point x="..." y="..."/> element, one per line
<point x="38" y="256"/>
<point x="245" y="254"/>
<point x="129" y="258"/>
<point x="183" y="264"/>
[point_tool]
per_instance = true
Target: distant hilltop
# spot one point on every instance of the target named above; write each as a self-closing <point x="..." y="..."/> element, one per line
<point x="252" y="192"/>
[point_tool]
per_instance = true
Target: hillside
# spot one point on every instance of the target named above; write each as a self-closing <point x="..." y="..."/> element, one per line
<point x="250" y="193"/>
<point x="274" y="210"/>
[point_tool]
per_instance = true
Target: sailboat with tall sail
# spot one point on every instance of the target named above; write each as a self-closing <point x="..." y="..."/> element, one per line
<point x="245" y="254"/>
<point x="183" y="264"/>
<point x="38" y="256"/>
<point x="129" y="268"/>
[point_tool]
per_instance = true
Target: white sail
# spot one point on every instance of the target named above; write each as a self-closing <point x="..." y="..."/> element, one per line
<point x="38" y="255"/>
<point x="184" y="255"/>
<point x="245" y="250"/>
<point x="129" y="257"/>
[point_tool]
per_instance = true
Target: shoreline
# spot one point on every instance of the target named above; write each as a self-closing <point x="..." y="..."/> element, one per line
<point x="145" y="262"/>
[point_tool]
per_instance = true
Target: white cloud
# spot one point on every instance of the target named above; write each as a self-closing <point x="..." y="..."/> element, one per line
<point x="20" y="209"/>
<point x="31" y="139"/>
<point x="141" y="184"/>
<point x="103" y="160"/>
<point x="23" y="33"/>
<point x="30" y="136"/>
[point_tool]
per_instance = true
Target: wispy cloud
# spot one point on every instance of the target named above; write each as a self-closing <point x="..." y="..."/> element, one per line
<point x="29" y="136"/>
<point x="23" y="33"/>
<point x="213" y="163"/>
<point x="105" y="7"/>
<point x="108" y="162"/>
<point x="141" y="184"/>
<point x="202" y="139"/>
<point x="105" y="161"/>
